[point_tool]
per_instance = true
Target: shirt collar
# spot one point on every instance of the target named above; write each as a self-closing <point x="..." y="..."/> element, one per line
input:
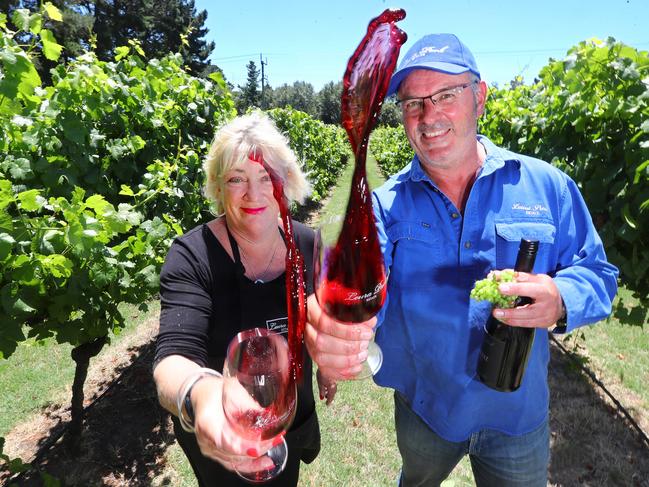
<point x="496" y="158"/>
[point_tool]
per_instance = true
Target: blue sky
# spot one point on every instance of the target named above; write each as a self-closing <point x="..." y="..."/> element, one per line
<point x="312" y="41"/>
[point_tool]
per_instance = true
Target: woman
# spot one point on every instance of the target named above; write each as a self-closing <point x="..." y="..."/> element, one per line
<point x="223" y="277"/>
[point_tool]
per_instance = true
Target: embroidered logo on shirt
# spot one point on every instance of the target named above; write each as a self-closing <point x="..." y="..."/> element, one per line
<point x="532" y="210"/>
<point x="278" y="325"/>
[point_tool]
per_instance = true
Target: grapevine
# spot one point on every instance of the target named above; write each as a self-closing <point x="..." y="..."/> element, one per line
<point x="487" y="289"/>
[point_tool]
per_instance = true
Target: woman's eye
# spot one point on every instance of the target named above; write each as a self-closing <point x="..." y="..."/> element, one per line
<point x="235" y="180"/>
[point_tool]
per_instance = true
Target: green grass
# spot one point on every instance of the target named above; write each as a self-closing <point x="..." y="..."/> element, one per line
<point x="27" y="380"/>
<point x="340" y="194"/>
<point x="618" y="348"/>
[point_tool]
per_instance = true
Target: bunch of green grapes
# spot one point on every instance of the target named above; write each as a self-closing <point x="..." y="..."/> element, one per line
<point x="487" y="289"/>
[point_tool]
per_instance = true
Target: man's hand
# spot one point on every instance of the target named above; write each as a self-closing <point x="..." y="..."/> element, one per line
<point x="337" y="348"/>
<point x="546" y="307"/>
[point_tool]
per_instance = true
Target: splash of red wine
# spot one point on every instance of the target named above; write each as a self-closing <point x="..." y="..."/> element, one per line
<point x="295" y="284"/>
<point x="354" y="289"/>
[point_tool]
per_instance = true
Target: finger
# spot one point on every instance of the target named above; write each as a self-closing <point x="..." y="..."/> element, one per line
<point x="331" y="393"/>
<point x="344" y="331"/>
<point x="330" y="352"/>
<point x="251" y="465"/>
<point x="344" y="373"/>
<point x="528" y="316"/>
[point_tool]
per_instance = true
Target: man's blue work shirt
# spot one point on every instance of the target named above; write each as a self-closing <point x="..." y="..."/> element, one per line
<point x="430" y="331"/>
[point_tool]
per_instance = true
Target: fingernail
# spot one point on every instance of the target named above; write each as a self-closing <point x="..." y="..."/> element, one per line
<point x="252" y="452"/>
<point x="362" y="356"/>
<point x="278" y="440"/>
<point x="321" y="397"/>
<point x="499" y="314"/>
<point x="505" y="287"/>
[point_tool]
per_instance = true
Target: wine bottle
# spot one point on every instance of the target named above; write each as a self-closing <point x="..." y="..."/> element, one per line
<point x="506" y="349"/>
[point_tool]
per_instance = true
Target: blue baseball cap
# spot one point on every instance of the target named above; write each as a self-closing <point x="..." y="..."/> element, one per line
<point x="437" y="52"/>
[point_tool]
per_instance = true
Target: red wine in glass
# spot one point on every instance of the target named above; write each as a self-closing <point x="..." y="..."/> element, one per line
<point x="350" y="277"/>
<point x="259" y="394"/>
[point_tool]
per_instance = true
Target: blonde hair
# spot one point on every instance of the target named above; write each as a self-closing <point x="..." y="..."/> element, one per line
<point x="254" y="132"/>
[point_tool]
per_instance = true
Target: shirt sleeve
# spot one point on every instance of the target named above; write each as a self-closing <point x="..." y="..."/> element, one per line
<point x="185" y="304"/>
<point x="586" y="280"/>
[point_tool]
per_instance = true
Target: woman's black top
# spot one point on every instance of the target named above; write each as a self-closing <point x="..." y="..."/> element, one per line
<point x="206" y="299"/>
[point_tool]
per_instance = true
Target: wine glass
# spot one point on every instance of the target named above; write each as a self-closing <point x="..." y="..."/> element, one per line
<point x="350" y="276"/>
<point x="259" y="399"/>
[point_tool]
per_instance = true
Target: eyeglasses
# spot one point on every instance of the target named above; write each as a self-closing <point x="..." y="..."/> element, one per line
<point x="443" y="98"/>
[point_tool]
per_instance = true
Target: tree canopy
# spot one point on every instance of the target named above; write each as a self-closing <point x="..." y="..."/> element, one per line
<point x="160" y="26"/>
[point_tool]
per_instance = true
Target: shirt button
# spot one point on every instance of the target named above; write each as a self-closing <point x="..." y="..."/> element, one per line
<point x="467" y="245"/>
<point x="454" y="215"/>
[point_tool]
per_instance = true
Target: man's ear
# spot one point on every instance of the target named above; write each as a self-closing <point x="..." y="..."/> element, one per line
<point x="481" y="97"/>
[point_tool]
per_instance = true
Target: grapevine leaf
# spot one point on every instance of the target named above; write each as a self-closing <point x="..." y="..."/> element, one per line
<point x="31" y="200"/>
<point x="6" y="243"/>
<point x="121" y="52"/>
<point x="11" y="301"/>
<point x="57" y="265"/>
<point x="98" y="203"/>
<point x="20" y="18"/>
<point x="7" y="56"/>
<point x="53" y="12"/>
<point x="51" y="49"/>
<point x="126" y="190"/>
<point x="20" y="168"/>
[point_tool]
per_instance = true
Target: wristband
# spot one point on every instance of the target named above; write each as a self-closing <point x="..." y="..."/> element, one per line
<point x="562" y="322"/>
<point x="183" y="401"/>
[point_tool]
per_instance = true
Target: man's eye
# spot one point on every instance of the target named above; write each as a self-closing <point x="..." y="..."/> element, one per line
<point x="446" y="97"/>
<point x="414" y="104"/>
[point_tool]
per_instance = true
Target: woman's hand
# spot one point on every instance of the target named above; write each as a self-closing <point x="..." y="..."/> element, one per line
<point x="337" y="348"/>
<point x="215" y="435"/>
<point x="327" y="387"/>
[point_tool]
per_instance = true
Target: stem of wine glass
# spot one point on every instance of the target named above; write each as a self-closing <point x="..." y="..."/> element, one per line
<point x="373" y="361"/>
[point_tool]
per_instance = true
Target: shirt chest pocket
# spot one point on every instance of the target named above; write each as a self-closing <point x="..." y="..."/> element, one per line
<point x="415" y="249"/>
<point x="508" y="238"/>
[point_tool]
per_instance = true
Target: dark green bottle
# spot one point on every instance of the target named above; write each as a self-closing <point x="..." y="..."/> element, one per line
<point x="506" y="349"/>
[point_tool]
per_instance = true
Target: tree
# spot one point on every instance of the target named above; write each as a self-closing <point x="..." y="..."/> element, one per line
<point x="329" y="102"/>
<point x="249" y="95"/>
<point x="160" y="26"/>
<point x="390" y="114"/>
<point x="300" y="96"/>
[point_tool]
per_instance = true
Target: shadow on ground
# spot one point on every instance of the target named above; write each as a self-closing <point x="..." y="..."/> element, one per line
<point x="591" y="443"/>
<point x="126" y="434"/>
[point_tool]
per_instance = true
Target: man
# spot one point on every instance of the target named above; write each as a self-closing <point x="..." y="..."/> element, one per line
<point x="457" y="211"/>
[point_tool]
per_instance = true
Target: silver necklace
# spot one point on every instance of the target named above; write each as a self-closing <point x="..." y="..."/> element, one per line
<point x="255" y="279"/>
